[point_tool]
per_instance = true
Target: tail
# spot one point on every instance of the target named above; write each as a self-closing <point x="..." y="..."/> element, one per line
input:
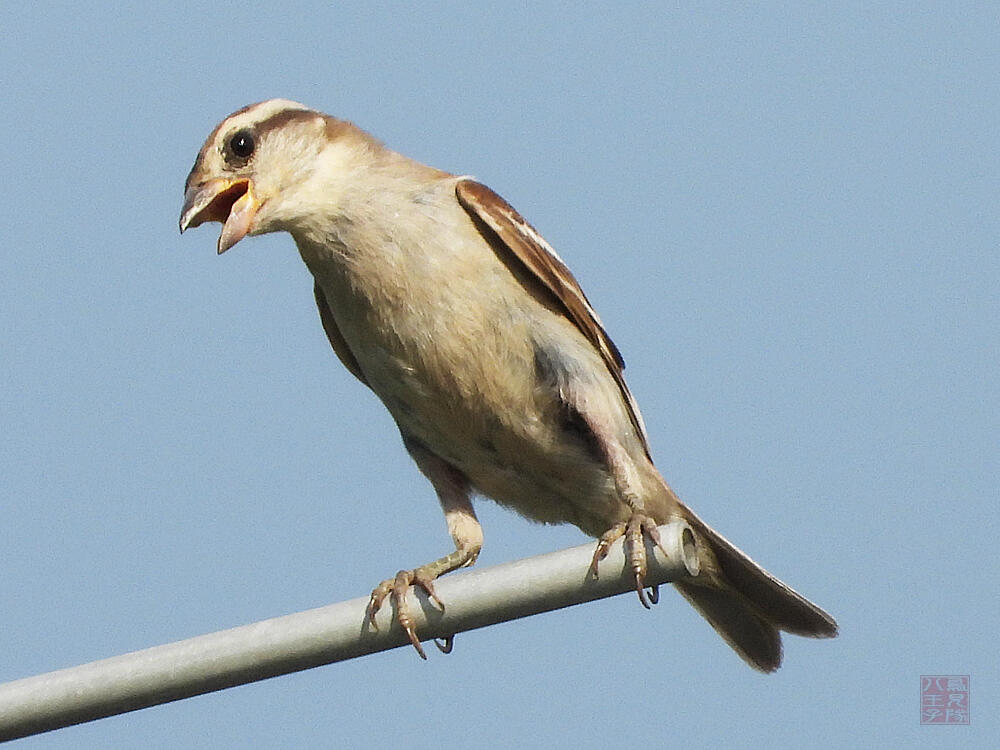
<point x="745" y="604"/>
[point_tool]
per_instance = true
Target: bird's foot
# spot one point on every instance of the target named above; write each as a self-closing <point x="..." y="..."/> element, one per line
<point x="396" y="589"/>
<point x="636" y="530"/>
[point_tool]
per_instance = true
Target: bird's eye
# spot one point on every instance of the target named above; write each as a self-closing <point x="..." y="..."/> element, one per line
<point x="242" y="144"/>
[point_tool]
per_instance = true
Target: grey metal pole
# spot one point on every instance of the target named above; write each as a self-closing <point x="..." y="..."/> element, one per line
<point x="473" y="599"/>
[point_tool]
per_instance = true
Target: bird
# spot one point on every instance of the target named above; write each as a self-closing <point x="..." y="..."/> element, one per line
<point x="445" y="302"/>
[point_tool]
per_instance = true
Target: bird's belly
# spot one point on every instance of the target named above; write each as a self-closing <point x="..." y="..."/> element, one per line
<point x="462" y="379"/>
<point x="484" y="411"/>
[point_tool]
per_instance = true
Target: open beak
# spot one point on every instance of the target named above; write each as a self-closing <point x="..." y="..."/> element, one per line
<point x="230" y="202"/>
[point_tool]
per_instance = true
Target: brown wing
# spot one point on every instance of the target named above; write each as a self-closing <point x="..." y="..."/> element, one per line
<point x="521" y="240"/>
<point x="336" y="339"/>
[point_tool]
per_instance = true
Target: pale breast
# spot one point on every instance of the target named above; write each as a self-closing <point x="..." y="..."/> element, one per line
<point x="457" y="350"/>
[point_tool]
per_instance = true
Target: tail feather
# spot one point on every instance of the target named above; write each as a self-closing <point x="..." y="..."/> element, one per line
<point x="745" y="604"/>
<point x="785" y="608"/>
<point x="755" y="639"/>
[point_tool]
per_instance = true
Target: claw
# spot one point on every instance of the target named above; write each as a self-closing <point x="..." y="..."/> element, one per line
<point x="400" y="586"/>
<point x="599" y="554"/>
<point x="647" y="597"/>
<point x="653" y="532"/>
<point x="423" y="577"/>
<point x="640" y="589"/>
<point x="634" y="530"/>
<point x="412" y="634"/>
<point x="427" y="585"/>
<point x="375" y="602"/>
<point x="635" y="552"/>
<point x="609" y="537"/>
<point x="446" y="644"/>
<point x="396" y="590"/>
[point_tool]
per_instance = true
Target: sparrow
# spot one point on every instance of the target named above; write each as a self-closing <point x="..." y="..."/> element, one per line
<point x="438" y="296"/>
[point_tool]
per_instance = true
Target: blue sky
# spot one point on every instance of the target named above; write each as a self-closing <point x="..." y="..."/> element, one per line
<point x="786" y="217"/>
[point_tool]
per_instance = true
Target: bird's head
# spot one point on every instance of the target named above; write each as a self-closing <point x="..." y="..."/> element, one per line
<point x="254" y="173"/>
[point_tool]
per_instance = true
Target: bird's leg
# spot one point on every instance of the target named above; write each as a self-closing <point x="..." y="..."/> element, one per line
<point x="454" y="493"/>
<point x="636" y="528"/>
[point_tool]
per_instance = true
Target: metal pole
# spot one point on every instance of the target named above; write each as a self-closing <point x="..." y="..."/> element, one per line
<point x="474" y="599"/>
